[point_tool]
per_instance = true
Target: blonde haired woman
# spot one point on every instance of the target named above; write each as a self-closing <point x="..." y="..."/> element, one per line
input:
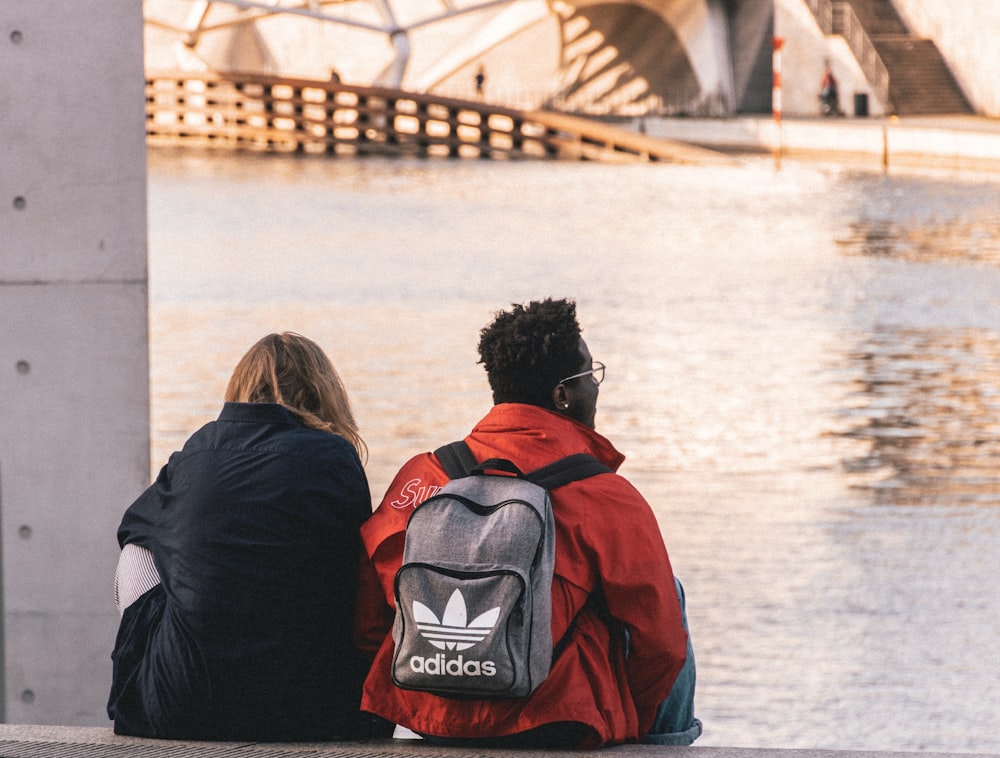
<point x="238" y="572"/>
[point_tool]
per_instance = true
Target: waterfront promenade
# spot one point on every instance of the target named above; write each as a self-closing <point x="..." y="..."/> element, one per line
<point x="23" y="741"/>
<point x="947" y="142"/>
<point x="267" y="113"/>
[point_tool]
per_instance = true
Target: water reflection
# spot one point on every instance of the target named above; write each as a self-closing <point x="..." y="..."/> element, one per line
<point x="927" y="402"/>
<point x="913" y="220"/>
<point x="922" y="390"/>
<point x="965" y="240"/>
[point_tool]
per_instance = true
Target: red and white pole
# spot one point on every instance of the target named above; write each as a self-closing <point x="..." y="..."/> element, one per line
<point x="776" y="91"/>
<point x="776" y="85"/>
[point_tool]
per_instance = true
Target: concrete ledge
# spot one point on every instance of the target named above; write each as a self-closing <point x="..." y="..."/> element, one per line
<point x="33" y="741"/>
<point x="950" y="142"/>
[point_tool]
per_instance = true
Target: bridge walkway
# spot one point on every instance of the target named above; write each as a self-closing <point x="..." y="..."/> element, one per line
<point x="279" y="114"/>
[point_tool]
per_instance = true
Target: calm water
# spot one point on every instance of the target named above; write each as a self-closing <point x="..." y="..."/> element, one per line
<point x="803" y="370"/>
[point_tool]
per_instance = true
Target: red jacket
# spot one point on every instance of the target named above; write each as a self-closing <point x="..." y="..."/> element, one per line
<point x="606" y="536"/>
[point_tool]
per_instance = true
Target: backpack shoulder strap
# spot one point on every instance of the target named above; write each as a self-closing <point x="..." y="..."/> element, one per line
<point x="456" y="459"/>
<point x="569" y="469"/>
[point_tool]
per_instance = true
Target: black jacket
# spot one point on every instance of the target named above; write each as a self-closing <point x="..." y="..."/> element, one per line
<point x="254" y="528"/>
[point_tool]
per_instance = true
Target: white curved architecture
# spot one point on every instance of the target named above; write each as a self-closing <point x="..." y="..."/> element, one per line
<point x="622" y="57"/>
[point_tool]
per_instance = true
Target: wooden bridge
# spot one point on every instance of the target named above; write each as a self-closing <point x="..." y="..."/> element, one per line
<point x="273" y="114"/>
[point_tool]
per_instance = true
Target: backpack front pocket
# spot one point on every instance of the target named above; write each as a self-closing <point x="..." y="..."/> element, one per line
<point x="461" y="632"/>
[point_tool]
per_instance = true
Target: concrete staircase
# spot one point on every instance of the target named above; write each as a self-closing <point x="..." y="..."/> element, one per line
<point x="920" y="82"/>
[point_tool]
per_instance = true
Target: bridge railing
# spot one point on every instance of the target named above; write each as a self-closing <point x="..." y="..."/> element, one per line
<point x="279" y="114"/>
<point x="258" y="112"/>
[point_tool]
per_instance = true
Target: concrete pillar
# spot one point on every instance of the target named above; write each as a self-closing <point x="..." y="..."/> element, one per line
<point x="74" y="427"/>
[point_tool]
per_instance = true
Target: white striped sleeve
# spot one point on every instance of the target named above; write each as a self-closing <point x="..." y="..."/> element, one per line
<point x="136" y="575"/>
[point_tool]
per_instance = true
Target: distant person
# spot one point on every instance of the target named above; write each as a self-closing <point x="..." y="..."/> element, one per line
<point x="480" y="81"/>
<point x="618" y="623"/>
<point x="238" y="573"/>
<point x="828" y="95"/>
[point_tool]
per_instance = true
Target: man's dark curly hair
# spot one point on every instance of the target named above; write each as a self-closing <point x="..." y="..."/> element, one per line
<point x="528" y="349"/>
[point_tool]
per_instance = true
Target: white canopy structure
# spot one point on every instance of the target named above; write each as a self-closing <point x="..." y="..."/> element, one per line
<point x="625" y="57"/>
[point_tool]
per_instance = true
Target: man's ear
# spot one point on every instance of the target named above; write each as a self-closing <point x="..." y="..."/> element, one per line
<point x="560" y="397"/>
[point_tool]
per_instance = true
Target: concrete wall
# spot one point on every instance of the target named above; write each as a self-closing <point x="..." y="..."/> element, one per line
<point x="74" y="435"/>
<point x="966" y="33"/>
<point x="751" y="46"/>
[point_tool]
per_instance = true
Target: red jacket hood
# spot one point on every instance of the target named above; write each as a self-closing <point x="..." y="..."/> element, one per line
<point x="517" y="431"/>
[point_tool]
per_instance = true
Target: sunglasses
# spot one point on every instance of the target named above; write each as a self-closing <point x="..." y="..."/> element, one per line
<point x="596" y="373"/>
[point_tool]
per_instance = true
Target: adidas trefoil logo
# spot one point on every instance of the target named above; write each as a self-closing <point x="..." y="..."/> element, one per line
<point x="451" y="632"/>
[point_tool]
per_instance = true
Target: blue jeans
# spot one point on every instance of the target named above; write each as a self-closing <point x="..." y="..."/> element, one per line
<point x="675" y="723"/>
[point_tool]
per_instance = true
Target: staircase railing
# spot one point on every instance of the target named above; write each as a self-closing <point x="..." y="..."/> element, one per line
<point x="864" y="50"/>
<point x="823" y="11"/>
<point x="838" y="17"/>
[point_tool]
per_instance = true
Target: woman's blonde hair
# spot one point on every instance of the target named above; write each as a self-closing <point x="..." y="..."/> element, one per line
<point x="293" y="371"/>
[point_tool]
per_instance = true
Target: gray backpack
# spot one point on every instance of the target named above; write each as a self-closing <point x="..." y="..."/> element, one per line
<point x="473" y="594"/>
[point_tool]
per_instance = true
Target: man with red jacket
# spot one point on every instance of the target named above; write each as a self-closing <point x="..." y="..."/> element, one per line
<point x="614" y="597"/>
